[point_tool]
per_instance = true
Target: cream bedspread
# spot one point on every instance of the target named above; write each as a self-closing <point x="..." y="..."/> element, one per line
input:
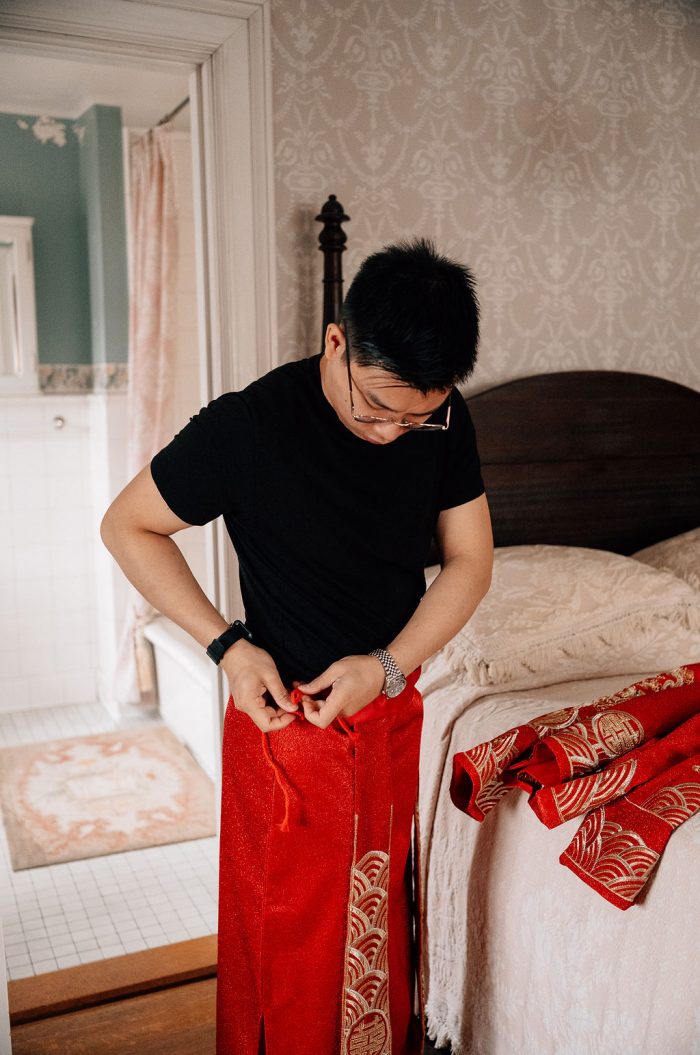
<point x="522" y="956"/>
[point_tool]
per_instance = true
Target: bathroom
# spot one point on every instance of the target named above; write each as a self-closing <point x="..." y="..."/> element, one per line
<point x="74" y="665"/>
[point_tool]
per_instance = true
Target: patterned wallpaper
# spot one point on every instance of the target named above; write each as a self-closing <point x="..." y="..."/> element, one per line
<point x="552" y="145"/>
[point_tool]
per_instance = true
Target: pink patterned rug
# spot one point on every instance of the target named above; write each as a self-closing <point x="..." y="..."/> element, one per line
<point x="64" y="800"/>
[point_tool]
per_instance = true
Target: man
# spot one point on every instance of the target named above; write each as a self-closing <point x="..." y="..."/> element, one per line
<point x="332" y="473"/>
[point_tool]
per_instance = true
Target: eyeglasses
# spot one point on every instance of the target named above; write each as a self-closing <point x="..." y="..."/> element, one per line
<point x="369" y="418"/>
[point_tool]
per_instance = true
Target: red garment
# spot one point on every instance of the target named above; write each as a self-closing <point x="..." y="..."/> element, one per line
<point x="632" y="759"/>
<point x="618" y="846"/>
<point x="570" y="798"/>
<point x="606" y="730"/>
<point x="319" y="947"/>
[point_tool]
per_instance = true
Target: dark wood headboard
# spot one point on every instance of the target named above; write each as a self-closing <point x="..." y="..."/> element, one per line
<point x="597" y="458"/>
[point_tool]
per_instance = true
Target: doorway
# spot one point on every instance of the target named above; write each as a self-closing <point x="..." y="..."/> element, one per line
<point x="217" y="57"/>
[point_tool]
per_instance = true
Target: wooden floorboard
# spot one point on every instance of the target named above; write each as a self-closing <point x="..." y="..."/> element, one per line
<point x="156" y="1002"/>
<point x="180" y="1020"/>
<point x="73" y="988"/>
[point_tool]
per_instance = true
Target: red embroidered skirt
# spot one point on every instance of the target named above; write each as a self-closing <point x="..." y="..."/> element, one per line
<point x="320" y="908"/>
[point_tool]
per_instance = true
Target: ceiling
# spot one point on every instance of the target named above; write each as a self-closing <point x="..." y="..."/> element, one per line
<point x="33" y="84"/>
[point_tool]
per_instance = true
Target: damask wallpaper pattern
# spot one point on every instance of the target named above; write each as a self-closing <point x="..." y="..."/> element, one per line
<point x="552" y="145"/>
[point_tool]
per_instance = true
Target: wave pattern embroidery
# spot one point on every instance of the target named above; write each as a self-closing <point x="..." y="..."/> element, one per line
<point x="675" y="805"/>
<point x="672" y="679"/>
<point x="489" y="760"/>
<point x="554" y="720"/>
<point x="579" y="796"/>
<point x="366" y="1021"/>
<point x="617" y="858"/>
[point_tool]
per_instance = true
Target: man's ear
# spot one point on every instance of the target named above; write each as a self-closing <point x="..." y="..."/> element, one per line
<point x="335" y="339"/>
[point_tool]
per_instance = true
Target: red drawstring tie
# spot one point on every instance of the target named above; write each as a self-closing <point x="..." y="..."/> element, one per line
<point x="281" y="780"/>
<point x="280" y="777"/>
<point x="286" y="786"/>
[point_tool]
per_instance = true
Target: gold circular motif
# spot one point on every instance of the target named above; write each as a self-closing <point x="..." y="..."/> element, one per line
<point x="369" y="1035"/>
<point x="618" y="731"/>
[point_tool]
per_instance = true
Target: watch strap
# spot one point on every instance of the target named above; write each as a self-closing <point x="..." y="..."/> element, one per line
<point x="392" y="671"/>
<point x="215" y="650"/>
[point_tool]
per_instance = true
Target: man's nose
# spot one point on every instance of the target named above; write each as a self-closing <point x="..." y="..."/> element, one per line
<point x="387" y="433"/>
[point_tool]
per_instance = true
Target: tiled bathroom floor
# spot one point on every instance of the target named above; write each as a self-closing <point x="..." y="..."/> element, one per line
<point x="66" y="914"/>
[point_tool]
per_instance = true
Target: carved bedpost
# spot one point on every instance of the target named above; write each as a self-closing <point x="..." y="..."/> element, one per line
<point x="332" y="239"/>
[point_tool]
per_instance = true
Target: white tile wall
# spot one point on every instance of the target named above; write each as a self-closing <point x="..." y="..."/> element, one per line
<point x="47" y="588"/>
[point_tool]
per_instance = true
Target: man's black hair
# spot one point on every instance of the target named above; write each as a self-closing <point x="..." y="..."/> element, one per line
<point x="414" y="313"/>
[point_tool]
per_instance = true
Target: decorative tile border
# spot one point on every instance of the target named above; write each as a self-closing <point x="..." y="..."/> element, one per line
<point x="83" y="377"/>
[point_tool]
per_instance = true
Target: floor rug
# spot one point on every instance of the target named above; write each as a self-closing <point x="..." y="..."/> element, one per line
<point x="65" y="800"/>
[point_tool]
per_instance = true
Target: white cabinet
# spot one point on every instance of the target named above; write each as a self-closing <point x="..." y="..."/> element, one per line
<point x="18" y="344"/>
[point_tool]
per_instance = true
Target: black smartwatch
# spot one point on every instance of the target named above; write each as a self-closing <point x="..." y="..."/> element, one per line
<point x="233" y="633"/>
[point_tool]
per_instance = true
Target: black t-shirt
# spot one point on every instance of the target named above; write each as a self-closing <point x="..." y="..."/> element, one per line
<point x="331" y="532"/>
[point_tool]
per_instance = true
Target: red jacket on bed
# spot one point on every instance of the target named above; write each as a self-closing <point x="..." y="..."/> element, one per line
<point x="629" y="761"/>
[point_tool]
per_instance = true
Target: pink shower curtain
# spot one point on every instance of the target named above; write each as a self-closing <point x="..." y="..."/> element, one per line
<point x="152" y="279"/>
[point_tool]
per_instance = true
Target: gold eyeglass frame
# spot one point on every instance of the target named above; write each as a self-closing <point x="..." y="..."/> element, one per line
<point x="413" y="425"/>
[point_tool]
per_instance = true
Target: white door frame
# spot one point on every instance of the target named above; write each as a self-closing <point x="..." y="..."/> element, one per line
<point x="224" y="45"/>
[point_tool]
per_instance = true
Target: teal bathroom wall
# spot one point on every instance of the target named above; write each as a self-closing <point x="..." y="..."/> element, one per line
<point x="102" y="183"/>
<point x="68" y="175"/>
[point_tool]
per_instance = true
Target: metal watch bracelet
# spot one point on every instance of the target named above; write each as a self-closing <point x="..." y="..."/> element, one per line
<point x="394" y="677"/>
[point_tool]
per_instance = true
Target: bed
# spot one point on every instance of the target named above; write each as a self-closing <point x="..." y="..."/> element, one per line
<point x="593" y="483"/>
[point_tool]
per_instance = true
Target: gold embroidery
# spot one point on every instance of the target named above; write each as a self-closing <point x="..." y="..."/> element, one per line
<point x="554" y="720"/>
<point x="674" y="805"/>
<point x="420" y="913"/>
<point x="585" y="793"/>
<point x="618" y="732"/>
<point x="599" y="737"/>
<point x="617" y="858"/>
<point x="672" y="679"/>
<point x="489" y="759"/>
<point x="489" y="796"/>
<point x="365" y="1013"/>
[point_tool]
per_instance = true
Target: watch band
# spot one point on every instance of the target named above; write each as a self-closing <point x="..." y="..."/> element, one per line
<point x="394" y="677"/>
<point x="215" y="650"/>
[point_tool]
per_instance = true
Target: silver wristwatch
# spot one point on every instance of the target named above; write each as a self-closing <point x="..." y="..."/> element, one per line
<point x="394" y="681"/>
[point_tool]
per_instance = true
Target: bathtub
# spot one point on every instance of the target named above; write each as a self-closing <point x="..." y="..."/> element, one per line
<point x="186" y="688"/>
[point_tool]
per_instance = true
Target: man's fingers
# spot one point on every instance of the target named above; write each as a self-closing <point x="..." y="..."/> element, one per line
<point x="310" y="705"/>
<point x="326" y="711"/>
<point x="320" y="712"/>
<point x="323" y="681"/>
<point x="278" y="692"/>
<point x="310" y="686"/>
<point x="258" y="687"/>
<point x="279" y="720"/>
<point x="259" y="709"/>
<point x="270" y="720"/>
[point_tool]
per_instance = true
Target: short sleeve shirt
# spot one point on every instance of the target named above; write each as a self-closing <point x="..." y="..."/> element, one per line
<point x="331" y="532"/>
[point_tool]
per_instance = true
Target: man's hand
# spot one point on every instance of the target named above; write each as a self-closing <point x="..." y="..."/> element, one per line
<point x="251" y="671"/>
<point x="354" y="682"/>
